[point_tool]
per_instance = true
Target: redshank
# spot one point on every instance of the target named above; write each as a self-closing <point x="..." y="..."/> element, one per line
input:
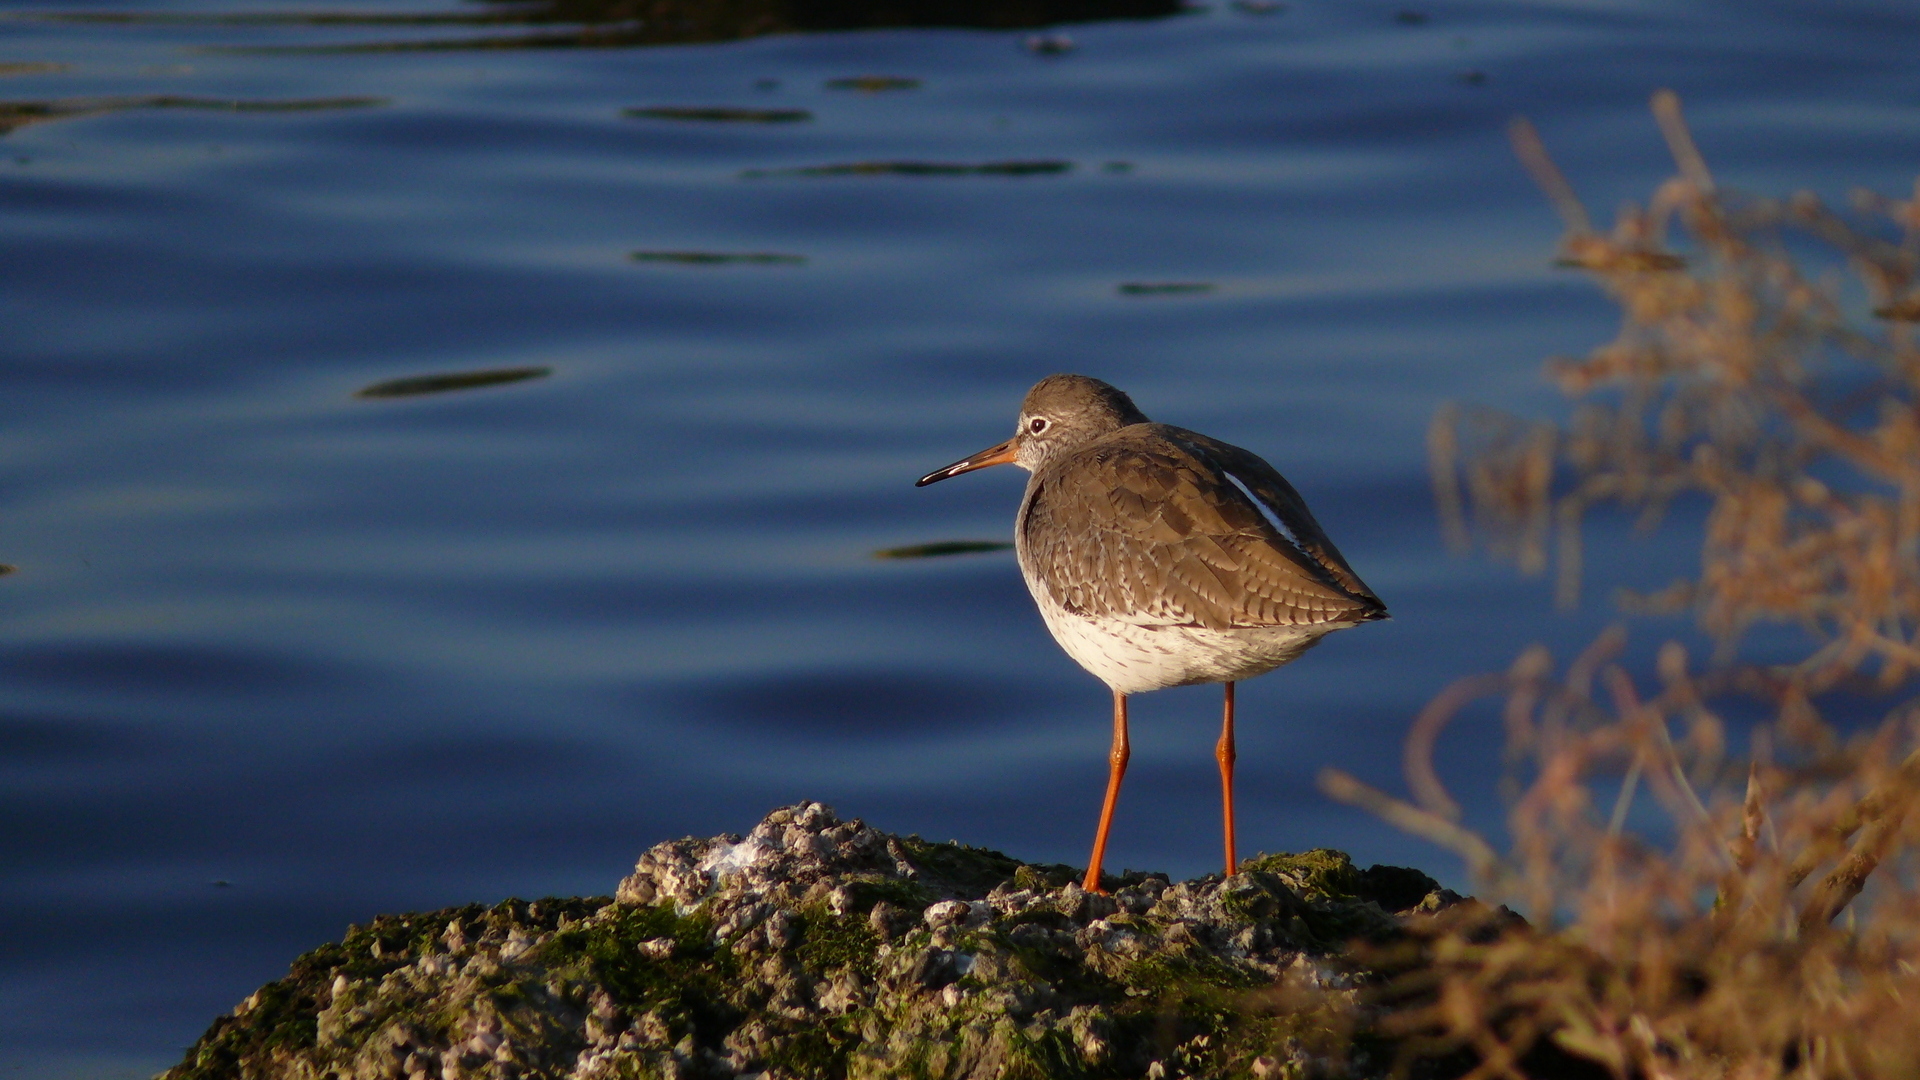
<point x="1160" y="557"/>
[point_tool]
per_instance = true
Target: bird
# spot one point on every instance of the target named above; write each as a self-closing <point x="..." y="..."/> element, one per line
<point x="1161" y="557"/>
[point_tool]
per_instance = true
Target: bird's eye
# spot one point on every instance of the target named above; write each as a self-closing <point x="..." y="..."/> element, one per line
<point x="1037" y="425"/>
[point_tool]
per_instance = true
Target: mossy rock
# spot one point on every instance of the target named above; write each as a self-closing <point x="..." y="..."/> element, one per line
<point x="817" y="948"/>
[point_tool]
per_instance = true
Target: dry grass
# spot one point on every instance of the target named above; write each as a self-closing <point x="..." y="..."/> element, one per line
<point x="1707" y="898"/>
<point x="1738" y="378"/>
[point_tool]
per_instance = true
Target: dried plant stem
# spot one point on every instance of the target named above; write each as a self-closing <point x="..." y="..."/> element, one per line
<point x="1344" y="787"/>
<point x="1533" y="155"/>
<point x="1884" y="801"/>
<point x="1443" y="457"/>
<point x="1417" y="753"/>
<point x="1878" y="817"/>
<point x="1693" y="167"/>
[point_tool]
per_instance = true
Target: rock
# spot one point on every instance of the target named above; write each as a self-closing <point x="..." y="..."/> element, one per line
<point x="888" y="921"/>
<point x="946" y="913"/>
<point x="816" y="947"/>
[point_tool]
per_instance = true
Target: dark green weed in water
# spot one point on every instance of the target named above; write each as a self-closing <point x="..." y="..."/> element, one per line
<point x="874" y="84"/>
<point x="1165" y="288"/>
<point x="17" y="114"/>
<point x="918" y="168"/>
<point x="612" y="24"/>
<point x="719" y="258"/>
<point x="721" y="115"/>
<point x="263" y="18"/>
<point x="176" y="101"/>
<point x="943" y="547"/>
<point x="415" y="385"/>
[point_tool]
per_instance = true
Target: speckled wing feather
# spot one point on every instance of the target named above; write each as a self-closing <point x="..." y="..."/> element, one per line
<point x="1284" y="503"/>
<point x="1145" y="526"/>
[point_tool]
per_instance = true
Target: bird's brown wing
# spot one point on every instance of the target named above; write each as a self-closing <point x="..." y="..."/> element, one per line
<point x="1145" y="528"/>
<point x="1284" y="505"/>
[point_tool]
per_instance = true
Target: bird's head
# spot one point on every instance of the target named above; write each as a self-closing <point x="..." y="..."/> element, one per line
<point x="1061" y="413"/>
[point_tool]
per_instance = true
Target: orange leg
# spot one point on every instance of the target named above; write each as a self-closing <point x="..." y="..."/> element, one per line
<point x="1223" y="753"/>
<point x="1116" y="771"/>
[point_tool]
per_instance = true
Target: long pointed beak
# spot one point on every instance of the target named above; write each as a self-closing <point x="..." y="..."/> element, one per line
<point x="1003" y="454"/>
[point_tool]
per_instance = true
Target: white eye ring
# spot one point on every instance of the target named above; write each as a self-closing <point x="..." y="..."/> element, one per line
<point x="1037" y="425"/>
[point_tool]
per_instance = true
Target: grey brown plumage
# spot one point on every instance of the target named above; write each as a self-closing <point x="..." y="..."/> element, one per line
<point x="1160" y="557"/>
<point x="1141" y="525"/>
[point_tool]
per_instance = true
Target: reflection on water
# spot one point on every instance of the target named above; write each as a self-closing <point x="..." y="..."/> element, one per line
<point x="19" y="114"/>
<point x="892" y="705"/>
<point x="416" y="385"/>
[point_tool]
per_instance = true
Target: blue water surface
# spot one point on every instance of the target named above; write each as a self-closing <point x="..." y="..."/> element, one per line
<point x="277" y="658"/>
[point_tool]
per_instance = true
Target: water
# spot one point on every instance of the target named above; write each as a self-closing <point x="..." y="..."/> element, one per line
<point x="277" y="658"/>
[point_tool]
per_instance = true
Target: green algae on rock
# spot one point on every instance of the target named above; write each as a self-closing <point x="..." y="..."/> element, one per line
<point x="819" y="948"/>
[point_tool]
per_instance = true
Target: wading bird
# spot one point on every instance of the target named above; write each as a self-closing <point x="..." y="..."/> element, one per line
<point x="1160" y="557"/>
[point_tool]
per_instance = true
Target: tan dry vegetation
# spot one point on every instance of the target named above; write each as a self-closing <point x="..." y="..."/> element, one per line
<point x="1765" y="923"/>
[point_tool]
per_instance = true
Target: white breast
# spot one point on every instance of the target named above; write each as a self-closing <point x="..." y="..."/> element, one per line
<point x="1133" y="659"/>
